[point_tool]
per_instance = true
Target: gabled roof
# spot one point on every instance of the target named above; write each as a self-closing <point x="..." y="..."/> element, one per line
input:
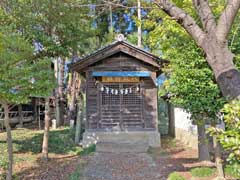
<point x="116" y="47"/>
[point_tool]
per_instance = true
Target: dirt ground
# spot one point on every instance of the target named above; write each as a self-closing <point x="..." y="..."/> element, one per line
<point x="58" y="168"/>
<point x="173" y="156"/>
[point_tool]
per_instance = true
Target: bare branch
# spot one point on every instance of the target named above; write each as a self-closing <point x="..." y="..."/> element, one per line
<point x="226" y="20"/>
<point x="183" y="18"/>
<point x="205" y="14"/>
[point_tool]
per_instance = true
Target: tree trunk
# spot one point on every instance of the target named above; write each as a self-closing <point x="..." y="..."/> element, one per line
<point x="46" y="131"/>
<point x="79" y="119"/>
<point x="59" y="96"/>
<point x="72" y="99"/>
<point x="35" y="109"/>
<point x="57" y="104"/>
<point x="171" y="125"/>
<point x="229" y="83"/>
<point x="220" y="58"/>
<point x="212" y="38"/>
<point x="20" y="115"/>
<point x="61" y="90"/>
<point x="9" y="141"/>
<point x="218" y="158"/>
<point x="203" y="151"/>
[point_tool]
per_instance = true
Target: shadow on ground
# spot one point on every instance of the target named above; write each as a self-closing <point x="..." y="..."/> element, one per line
<point x="27" y="141"/>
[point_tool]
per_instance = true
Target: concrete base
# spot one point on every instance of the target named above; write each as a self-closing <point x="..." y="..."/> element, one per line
<point x="122" y="139"/>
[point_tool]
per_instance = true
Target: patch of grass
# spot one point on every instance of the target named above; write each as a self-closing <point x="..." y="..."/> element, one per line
<point x="175" y="176"/>
<point x="202" y="172"/>
<point x="169" y="142"/>
<point x="88" y="150"/>
<point x="77" y="175"/>
<point x="232" y="171"/>
<point x="27" y="144"/>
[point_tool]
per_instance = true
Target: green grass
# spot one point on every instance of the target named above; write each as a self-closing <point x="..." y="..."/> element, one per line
<point x="89" y="150"/>
<point x="231" y="171"/>
<point x="27" y="144"/>
<point x="169" y="141"/>
<point x="77" y="175"/>
<point x="202" y="172"/>
<point x="176" y="176"/>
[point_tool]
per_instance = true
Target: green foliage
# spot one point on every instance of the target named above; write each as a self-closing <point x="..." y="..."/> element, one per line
<point x="231" y="170"/>
<point x="61" y="26"/>
<point x="202" y="172"/>
<point x="230" y="137"/>
<point x="21" y="74"/>
<point x="190" y="83"/>
<point x="234" y="43"/>
<point x="88" y="150"/>
<point x="175" y="176"/>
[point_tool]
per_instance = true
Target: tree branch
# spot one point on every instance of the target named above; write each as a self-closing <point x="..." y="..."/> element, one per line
<point x="183" y="18"/>
<point x="226" y="20"/>
<point x="205" y="14"/>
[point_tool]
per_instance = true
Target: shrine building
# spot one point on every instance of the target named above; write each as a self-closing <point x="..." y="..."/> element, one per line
<point x="121" y="94"/>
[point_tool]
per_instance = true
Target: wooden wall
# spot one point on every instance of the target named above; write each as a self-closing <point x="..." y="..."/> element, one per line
<point x="122" y="62"/>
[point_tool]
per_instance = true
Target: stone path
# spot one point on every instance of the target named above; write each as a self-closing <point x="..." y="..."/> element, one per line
<point x="121" y="166"/>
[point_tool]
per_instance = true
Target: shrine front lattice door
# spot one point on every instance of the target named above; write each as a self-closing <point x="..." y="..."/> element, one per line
<point x="121" y="106"/>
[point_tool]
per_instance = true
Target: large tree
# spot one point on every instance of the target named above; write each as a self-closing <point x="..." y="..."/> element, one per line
<point x="190" y="84"/>
<point x="61" y="27"/>
<point x="22" y="76"/>
<point x="211" y="35"/>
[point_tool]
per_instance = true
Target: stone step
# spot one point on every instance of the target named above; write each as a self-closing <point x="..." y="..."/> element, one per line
<point x="122" y="137"/>
<point x="148" y="138"/>
<point x="122" y="147"/>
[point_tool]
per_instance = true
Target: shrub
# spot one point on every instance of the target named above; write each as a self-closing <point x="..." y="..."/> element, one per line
<point x="175" y="176"/>
<point x="230" y="137"/>
<point x="231" y="170"/>
<point x="202" y="172"/>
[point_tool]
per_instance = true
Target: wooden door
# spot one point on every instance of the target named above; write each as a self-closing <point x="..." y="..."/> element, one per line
<point x="121" y="110"/>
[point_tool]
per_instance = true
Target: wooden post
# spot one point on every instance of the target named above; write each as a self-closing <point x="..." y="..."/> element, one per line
<point x="79" y="119"/>
<point x="39" y="116"/>
<point x="35" y="111"/>
<point x="20" y="115"/>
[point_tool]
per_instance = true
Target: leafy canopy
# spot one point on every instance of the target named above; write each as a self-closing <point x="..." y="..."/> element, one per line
<point x="190" y="83"/>
<point x="21" y="74"/>
<point x="61" y="26"/>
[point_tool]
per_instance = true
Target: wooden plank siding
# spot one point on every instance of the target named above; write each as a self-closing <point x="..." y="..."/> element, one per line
<point x="144" y="116"/>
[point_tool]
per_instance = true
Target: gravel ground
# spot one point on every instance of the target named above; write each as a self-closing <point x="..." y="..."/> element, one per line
<point x="122" y="166"/>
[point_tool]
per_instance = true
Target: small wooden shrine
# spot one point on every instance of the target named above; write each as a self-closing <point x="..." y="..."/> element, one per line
<point x="121" y="90"/>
